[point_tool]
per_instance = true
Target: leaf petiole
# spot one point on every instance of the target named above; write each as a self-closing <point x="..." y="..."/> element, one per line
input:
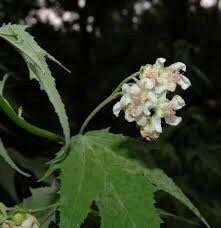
<point x="6" y="108"/>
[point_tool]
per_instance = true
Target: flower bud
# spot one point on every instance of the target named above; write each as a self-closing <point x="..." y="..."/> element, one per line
<point x="18" y="217"/>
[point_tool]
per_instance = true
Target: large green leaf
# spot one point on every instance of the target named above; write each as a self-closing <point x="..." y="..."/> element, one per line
<point x="35" y="58"/>
<point x="93" y="171"/>
<point x="102" y="168"/>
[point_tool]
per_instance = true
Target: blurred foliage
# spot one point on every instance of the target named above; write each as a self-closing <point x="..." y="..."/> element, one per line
<point x="124" y="35"/>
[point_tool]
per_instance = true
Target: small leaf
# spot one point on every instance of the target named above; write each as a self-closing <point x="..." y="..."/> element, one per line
<point x="35" y="58"/>
<point x="158" y="178"/>
<point x="4" y="154"/>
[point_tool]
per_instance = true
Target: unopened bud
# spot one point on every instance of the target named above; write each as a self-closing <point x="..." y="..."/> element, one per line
<point x="19" y="217"/>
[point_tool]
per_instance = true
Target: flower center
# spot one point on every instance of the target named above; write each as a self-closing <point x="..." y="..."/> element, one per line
<point x="151" y="72"/>
<point x="136" y="106"/>
<point x="168" y="111"/>
<point x="174" y="77"/>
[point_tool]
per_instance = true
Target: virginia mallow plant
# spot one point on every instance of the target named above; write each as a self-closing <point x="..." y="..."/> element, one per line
<point x="98" y="170"/>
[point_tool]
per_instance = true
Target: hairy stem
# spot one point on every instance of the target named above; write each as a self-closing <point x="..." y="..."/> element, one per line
<point x="125" y="80"/>
<point x="97" y="109"/>
<point x="27" y="126"/>
<point x="113" y="96"/>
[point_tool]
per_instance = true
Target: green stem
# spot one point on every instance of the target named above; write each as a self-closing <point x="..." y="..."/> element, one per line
<point x="97" y="109"/>
<point x="113" y="96"/>
<point x="134" y="75"/>
<point x="27" y="126"/>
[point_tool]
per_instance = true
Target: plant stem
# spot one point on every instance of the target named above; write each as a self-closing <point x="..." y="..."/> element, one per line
<point x="125" y="80"/>
<point x="113" y="96"/>
<point x="97" y="109"/>
<point x="27" y="126"/>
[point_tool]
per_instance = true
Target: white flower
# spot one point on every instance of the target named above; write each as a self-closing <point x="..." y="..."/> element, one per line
<point x="167" y="109"/>
<point x="171" y="77"/>
<point x="149" y="131"/>
<point x="136" y="102"/>
<point x="152" y="72"/>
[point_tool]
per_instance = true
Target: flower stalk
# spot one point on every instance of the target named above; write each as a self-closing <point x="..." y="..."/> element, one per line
<point x="113" y="96"/>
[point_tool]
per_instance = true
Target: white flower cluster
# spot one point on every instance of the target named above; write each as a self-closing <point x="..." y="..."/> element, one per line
<point x="145" y="100"/>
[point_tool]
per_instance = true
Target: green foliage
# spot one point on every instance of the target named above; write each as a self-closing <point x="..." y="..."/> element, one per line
<point x="98" y="174"/>
<point x="158" y="178"/>
<point x="4" y="154"/>
<point x="35" y="58"/>
<point x="101" y="171"/>
<point x="100" y="167"/>
<point x="34" y="166"/>
<point x="8" y="184"/>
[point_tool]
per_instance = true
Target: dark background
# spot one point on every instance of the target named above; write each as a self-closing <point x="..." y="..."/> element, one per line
<point x="102" y="43"/>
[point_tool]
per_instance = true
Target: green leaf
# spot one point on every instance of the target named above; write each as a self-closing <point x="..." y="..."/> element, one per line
<point x="94" y="171"/>
<point x="43" y="204"/>
<point x="158" y="178"/>
<point x="35" y="58"/>
<point x="155" y="176"/>
<point x="167" y="214"/>
<point x="36" y="165"/>
<point x="101" y="168"/>
<point x="4" y="154"/>
<point x="8" y="184"/>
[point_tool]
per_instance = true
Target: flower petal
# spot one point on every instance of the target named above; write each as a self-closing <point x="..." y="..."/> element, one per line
<point x="160" y="61"/>
<point x="177" y="67"/>
<point x="184" y="82"/>
<point x="160" y="88"/>
<point x="177" y="102"/>
<point x="125" y="100"/>
<point x="125" y="88"/>
<point x="149" y="133"/>
<point x="134" y="89"/>
<point x="147" y="83"/>
<point x="117" y="108"/>
<point x="173" y="120"/>
<point x="146" y="108"/>
<point x="152" y="98"/>
<point x="156" y="122"/>
<point x="141" y="120"/>
<point x="128" y="116"/>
